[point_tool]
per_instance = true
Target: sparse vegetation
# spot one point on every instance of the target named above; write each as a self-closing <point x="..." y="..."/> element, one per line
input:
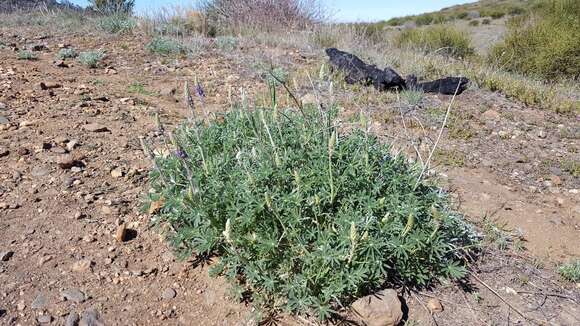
<point x="412" y="97"/>
<point x="474" y="23"/>
<point x="238" y="15"/>
<point x="440" y="39"/>
<point x="570" y="271"/>
<point x="26" y="55"/>
<point x="166" y="46"/>
<point x="67" y="53"/>
<point x="138" y="88"/>
<point x="302" y="217"/>
<point x="116" y="23"/>
<point x="226" y="43"/>
<point x="91" y="59"/>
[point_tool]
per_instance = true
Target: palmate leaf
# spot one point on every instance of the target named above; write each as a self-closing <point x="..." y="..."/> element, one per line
<point x="304" y="226"/>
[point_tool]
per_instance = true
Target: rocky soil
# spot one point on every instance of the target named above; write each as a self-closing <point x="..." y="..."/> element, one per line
<point x="76" y="248"/>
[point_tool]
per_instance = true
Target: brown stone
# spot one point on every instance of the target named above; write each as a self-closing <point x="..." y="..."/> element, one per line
<point x="121" y="234"/>
<point x="434" y="305"/>
<point x="380" y="309"/>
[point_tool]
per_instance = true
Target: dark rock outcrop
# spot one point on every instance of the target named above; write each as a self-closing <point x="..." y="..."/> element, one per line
<point x="358" y="72"/>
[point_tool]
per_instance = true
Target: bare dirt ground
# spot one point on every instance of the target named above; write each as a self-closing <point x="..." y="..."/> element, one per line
<point x="72" y="171"/>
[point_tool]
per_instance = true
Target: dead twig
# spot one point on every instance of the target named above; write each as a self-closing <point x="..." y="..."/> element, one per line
<point x="507" y="302"/>
<point x="425" y="307"/>
<point x="438" y="137"/>
<point x="549" y="295"/>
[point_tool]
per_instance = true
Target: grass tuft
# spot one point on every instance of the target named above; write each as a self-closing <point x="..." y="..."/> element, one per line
<point x="91" y="59"/>
<point x="26" y="55"/>
<point x="166" y="46"/>
<point x="226" y="43"/>
<point x="570" y="271"/>
<point x="116" y="23"/>
<point x="67" y="53"/>
<point x="304" y="218"/>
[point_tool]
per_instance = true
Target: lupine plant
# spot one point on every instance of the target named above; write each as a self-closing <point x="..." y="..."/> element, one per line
<point x="303" y="216"/>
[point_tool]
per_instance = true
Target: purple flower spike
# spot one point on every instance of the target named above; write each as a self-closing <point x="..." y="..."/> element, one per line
<point x="181" y="154"/>
<point x="199" y="90"/>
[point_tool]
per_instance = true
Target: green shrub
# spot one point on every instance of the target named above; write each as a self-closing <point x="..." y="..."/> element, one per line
<point x="474" y="23"/>
<point x="91" y="59"/>
<point x="26" y="55"/>
<point x="397" y="21"/>
<point x="425" y="19"/>
<point x="486" y="21"/>
<point x="496" y="14"/>
<point x="165" y="46"/>
<point x="443" y="39"/>
<point x="570" y="271"/>
<point x="544" y="44"/>
<point x="116" y="24"/>
<point x="514" y="11"/>
<point x="226" y="43"/>
<point x="67" y="53"/>
<point x="462" y="15"/>
<point x="303" y="217"/>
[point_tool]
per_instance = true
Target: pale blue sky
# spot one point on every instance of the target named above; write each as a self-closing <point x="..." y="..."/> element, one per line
<point x="344" y="10"/>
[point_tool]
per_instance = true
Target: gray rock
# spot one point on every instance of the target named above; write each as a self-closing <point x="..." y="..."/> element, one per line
<point x="40" y="302"/>
<point x="169" y="294"/>
<point x="91" y="317"/>
<point x="74" y="295"/>
<point x="380" y="309"/>
<point x="4" y="120"/>
<point x="2" y="106"/>
<point x="39" y="171"/>
<point x="6" y="255"/>
<point x="44" y="319"/>
<point x="72" y="319"/>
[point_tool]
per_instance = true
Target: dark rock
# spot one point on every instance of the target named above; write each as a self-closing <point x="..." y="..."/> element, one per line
<point x="4" y="152"/>
<point x="49" y="85"/>
<point x="447" y="85"/>
<point x="358" y="72"/>
<point x="38" y="47"/>
<point x="6" y="255"/>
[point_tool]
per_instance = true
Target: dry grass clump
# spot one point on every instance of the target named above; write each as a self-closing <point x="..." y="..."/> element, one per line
<point x="238" y="15"/>
<point x="441" y="39"/>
